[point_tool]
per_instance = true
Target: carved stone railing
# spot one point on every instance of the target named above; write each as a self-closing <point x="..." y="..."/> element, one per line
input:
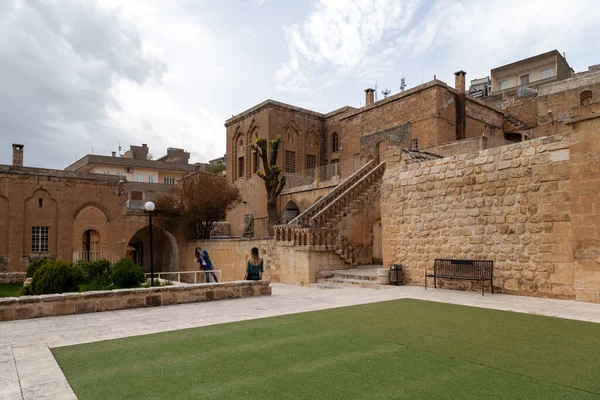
<point x="304" y="218"/>
<point x="360" y="188"/>
<point x="316" y="239"/>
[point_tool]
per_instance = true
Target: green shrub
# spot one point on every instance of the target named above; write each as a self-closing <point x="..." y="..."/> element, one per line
<point x="25" y="291"/>
<point x="127" y="274"/>
<point x="98" y="273"/>
<point x="56" y="277"/>
<point x="34" y="265"/>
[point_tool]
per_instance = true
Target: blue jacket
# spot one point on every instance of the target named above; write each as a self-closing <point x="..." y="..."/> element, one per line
<point x="209" y="263"/>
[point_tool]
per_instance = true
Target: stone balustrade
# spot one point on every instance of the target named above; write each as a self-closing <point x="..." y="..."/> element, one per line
<point x="315" y="239"/>
<point x="332" y="210"/>
<point x="304" y="218"/>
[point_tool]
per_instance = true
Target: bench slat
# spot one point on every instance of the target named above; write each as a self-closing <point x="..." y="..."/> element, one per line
<point x="480" y="270"/>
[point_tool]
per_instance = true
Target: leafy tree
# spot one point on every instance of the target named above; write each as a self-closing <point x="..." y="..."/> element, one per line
<point x="193" y="207"/>
<point x="216" y="169"/>
<point x="273" y="183"/>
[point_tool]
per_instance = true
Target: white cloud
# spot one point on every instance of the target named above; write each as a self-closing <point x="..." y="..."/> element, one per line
<point x="478" y="36"/>
<point x="259" y="2"/>
<point x="347" y="35"/>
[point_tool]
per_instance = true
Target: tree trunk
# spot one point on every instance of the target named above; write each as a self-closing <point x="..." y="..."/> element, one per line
<point x="273" y="219"/>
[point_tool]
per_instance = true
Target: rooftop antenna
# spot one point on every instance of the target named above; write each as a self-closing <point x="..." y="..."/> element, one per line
<point x="386" y="92"/>
<point x="402" y="84"/>
<point x="119" y="149"/>
<point x="375" y="90"/>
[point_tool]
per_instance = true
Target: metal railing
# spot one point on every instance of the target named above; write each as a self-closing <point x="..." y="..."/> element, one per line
<point x="188" y="276"/>
<point x="93" y="256"/>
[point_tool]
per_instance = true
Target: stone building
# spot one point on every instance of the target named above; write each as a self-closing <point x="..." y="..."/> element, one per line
<point x="72" y="216"/>
<point x="430" y="173"/>
<point x="145" y="177"/>
<point x="318" y="151"/>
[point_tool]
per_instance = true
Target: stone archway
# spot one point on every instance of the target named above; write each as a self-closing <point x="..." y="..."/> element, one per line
<point x="165" y="248"/>
<point x="290" y="212"/>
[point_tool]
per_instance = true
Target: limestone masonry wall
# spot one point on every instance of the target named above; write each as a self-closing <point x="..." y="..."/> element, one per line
<point x="283" y="264"/>
<point x="510" y="204"/>
<point x="50" y="305"/>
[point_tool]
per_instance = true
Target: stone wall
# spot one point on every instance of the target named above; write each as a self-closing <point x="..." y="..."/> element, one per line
<point x="51" y="305"/>
<point x="12" y="277"/>
<point x="283" y="264"/>
<point x="510" y="204"/>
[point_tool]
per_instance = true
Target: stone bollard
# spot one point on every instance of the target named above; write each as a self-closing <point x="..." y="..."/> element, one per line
<point x="383" y="276"/>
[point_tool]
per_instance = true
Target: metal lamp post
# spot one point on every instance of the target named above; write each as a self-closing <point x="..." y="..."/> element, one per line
<point x="149" y="206"/>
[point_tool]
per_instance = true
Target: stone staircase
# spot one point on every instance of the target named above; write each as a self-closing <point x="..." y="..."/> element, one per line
<point x="514" y="124"/>
<point x="364" y="276"/>
<point x="318" y="226"/>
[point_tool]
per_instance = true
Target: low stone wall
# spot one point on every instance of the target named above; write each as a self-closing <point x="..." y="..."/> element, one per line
<point x="50" y="305"/>
<point x="12" y="277"/>
<point x="283" y="264"/>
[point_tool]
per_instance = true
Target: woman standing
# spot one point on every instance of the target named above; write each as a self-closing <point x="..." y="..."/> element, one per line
<point x="209" y="267"/>
<point x="255" y="266"/>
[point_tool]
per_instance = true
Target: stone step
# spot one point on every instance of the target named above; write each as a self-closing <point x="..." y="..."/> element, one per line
<point x="354" y="276"/>
<point x="348" y="282"/>
<point x="326" y="286"/>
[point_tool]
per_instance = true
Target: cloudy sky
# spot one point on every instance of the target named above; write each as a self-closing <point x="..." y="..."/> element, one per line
<point x="77" y="75"/>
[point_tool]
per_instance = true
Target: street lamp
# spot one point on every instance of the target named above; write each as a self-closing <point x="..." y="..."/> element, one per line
<point x="149" y="206"/>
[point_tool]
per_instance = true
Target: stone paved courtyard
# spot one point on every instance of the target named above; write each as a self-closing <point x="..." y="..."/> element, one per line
<point x="28" y="369"/>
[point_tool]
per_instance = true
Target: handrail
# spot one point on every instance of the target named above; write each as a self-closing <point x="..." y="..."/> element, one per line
<point x="179" y="273"/>
<point x="338" y="198"/>
<point x="332" y="194"/>
<point x="95" y="256"/>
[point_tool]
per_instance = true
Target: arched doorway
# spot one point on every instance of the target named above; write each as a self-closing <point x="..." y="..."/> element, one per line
<point x="90" y="245"/>
<point x="166" y="251"/>
<point x="290" y="212"/>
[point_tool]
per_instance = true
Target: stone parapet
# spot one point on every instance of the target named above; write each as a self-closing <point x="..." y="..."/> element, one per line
<point x="12" y="277"/>
<point x="50" y="305"/>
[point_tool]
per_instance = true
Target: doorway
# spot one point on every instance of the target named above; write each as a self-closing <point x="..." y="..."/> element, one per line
<point x="377" y="245"/>
<point x="90" y="245"/>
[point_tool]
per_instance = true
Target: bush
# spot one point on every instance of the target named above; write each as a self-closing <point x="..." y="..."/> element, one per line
<point x="56" y="277"/>
<point x="34" y="265"/>
<point x="25" y="291"/>
<point x="127" y="274"/>
<point x="98" y="273"/>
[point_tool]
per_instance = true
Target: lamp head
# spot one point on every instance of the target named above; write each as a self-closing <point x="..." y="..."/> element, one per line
<point x="149" y="206"/>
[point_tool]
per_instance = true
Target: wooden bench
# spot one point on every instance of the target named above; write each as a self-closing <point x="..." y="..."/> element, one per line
<point x="472" y="270"/>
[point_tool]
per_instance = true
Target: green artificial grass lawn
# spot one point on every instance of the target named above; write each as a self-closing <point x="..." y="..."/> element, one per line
<point x="397" y="349"/>
<point x="10" y="289"/>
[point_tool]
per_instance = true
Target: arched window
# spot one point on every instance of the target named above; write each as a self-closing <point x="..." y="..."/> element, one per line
<point x="335" y="145"/>
<point x="585" y="98"/>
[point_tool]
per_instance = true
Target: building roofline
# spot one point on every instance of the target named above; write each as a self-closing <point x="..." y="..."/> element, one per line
<point x="527" y="60"/>
<point x="90" y="159"/>
<point x="59" y="173"/>
<point x="270" y="103"/>
<point x="401" y="95"/>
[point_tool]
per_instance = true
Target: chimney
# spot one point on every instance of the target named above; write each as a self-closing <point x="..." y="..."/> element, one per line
<point x="144" y="145"/>
<point x="369" y="96"/>
<point x="114" y="153"/>
<point x="461" y="122"/>
<point x="18" y="155"/>
<point x="459" y="81"/>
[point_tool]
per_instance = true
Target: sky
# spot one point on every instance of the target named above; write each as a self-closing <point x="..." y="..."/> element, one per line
<point x="84" y="76"/>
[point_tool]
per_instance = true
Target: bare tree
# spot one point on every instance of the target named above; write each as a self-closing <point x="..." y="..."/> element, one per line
<point x="193" y="207"/>
<point x="273" y="183"/>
